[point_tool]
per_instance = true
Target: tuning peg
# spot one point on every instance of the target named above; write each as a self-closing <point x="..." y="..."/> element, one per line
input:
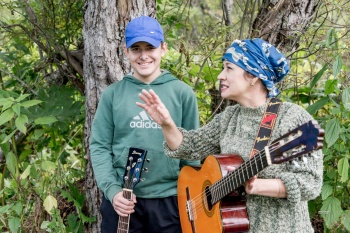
<point x="295" y="163"/>
<point x="304" y="159"/>
<point x="145" y="169"/>
<point x="131" y="158"/>
<point x="142" y="179"/>
<point x="126" y="177"/>
<point x="148" y="160"/>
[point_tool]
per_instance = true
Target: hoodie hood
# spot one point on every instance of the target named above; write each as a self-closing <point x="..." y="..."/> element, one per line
<point x="164" y="77"/>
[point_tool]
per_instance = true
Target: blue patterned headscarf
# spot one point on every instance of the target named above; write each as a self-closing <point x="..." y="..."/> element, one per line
<point x="260" y="59"/>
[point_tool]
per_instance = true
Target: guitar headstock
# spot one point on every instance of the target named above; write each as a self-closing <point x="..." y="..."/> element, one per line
<point x="134" y="166"/>
<point x="296" y="143"/>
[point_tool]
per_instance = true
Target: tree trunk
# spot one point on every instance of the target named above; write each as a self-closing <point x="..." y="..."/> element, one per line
<point x="283" y="22"/>
<point x="104" y="63"/>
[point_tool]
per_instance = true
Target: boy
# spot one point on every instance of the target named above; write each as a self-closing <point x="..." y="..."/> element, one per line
<point x="119" y="124"/>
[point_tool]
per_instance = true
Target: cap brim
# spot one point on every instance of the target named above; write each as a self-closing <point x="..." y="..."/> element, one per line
<point x="152" y="41"/>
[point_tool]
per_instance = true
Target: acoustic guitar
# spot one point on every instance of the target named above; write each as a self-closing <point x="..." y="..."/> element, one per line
<point x="131" y="177"/>
<point x="208" y="196"/>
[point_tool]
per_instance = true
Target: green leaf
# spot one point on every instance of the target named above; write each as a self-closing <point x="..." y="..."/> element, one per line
<point x="5" y="147"/>
<point x="48" y="166"/>
<point x="17" y="109"/>
<point x="14" y="224"/>
<point x="49" y="203"/>
<point x="343" y="169"/>
<point x="21" y="122"/>
<point x="6" y="116"/>
<point x="332" y="131"/>
<point x="8" y="137"/>
<point x="318" y="76"/>
<point x="337" y="64"/>
<point x="6" y="208"/>
<point x="30" y="103"/>
<point x="346" y="98"/>
<point x="330" y="86"/>
<point x="86" y="219"/>
<point x="331" y="210"/>
<point x="345" y="219"/>
<point x="26" y="172"/>
<point x="5" y="57"/>
<point x="22" y="97"/>
<point x="327" y="190"/>
<point x="18" y="207"/>
<point x="6" y="103"/>
<point x="73" y="222"/>
<point x="45" y="120"/>
<point x="330" y="37"/>
<point x="312" y="109"/>
<point x="194" y="70"/>
<point x="67" y="195"/>
<point x="12" y="164"/>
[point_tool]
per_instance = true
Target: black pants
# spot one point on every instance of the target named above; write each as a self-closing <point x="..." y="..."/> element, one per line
<point x="159" y="215"/>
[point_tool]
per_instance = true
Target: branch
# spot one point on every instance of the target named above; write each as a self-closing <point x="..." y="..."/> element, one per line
<point x="19" y="80"/>
<point x="60" y="50"/>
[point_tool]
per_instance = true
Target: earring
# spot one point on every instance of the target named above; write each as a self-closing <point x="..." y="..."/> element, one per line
<point x="251" y="84"/>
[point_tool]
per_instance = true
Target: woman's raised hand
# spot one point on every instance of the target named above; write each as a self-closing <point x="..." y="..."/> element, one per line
<point x="160" y="114"/>
<point x="155" y="107"/>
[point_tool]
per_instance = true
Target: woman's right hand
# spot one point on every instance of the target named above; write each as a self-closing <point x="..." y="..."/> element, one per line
<point x="160" y="114"/>
<point x="155" y="108"/>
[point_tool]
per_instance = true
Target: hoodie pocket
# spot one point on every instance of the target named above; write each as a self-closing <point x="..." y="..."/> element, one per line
<point x="120" y="162"/>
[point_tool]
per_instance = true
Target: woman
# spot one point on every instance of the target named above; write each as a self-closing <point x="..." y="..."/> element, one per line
<point x="277" y="197"/>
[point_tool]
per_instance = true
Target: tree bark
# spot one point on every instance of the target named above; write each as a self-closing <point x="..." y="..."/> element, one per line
<point x="104" y="63"/>
<point x="283" y="22"/>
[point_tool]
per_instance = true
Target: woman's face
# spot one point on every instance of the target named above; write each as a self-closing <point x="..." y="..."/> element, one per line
<point x="234" y="83"/>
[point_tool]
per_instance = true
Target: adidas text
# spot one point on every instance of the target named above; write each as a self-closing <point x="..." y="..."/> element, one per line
<point x="144" y="125"/>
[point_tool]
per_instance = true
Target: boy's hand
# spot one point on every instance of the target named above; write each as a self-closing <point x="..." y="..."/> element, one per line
<point x="123" y="206"/>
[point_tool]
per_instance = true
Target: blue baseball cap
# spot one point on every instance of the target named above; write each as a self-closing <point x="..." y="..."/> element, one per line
<point x="145" y="29"/>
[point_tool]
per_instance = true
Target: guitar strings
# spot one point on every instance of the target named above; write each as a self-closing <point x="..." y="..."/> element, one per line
<point x="196" y="201"/>
<point x="123" y="222"/>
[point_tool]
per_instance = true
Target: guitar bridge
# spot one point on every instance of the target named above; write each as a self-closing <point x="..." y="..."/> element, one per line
<point x="189" y="210"/>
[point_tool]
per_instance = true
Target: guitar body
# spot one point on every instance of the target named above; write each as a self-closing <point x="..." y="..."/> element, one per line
<point x="228" y="215"/>
<point x="207" y="196"/>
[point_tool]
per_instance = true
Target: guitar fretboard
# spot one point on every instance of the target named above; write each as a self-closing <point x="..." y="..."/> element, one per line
<point x="234" y="179"/>
<point x="123" y="223"/>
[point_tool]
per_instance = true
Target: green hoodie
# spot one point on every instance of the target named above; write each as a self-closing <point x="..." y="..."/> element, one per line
<point x="120" y="124"/>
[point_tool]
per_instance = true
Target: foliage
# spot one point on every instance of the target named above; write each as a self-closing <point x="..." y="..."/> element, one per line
<point x="42" y="103"/>
<point x="326" y="96"/>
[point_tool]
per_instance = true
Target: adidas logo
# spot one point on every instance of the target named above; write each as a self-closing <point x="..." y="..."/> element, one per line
<point x="143" y="121"/>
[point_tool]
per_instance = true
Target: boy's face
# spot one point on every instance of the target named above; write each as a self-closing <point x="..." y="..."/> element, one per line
<point x="145" y="60"/>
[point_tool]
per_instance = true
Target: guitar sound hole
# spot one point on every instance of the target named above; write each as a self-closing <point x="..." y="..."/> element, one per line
<point x="209" y="198"/>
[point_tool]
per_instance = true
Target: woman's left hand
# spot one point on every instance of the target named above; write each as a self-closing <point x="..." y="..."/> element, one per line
<point x="263" y="187"/>
<point x="249" y="185"/>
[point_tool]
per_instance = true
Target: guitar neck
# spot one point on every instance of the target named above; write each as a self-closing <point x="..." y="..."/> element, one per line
<point x="123" y="223"/>
<point x="235" y="179"/>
